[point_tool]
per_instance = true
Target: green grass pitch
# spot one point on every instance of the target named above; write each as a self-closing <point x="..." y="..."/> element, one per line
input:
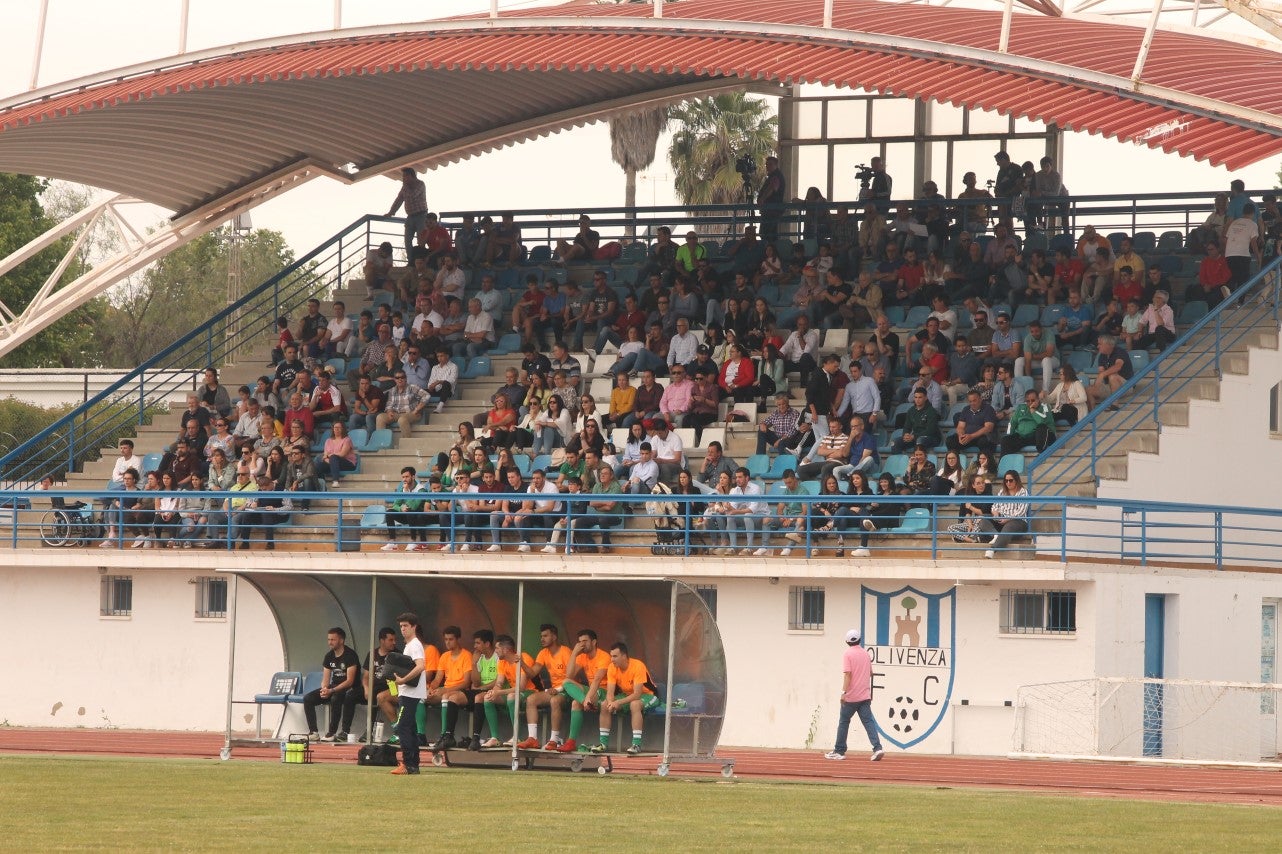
<point x="133" y="804"/>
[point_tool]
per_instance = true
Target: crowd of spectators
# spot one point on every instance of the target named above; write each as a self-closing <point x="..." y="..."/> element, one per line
<point x="705" y="332"/>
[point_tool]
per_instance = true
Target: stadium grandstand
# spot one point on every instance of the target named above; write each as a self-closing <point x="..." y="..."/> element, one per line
<point x="1008" y="434"/>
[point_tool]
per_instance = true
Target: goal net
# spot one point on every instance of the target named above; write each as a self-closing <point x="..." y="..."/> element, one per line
<point x="1151" y="719"/>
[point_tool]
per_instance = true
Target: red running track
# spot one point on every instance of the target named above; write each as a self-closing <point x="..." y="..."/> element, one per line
<point x="1094" y="779"/>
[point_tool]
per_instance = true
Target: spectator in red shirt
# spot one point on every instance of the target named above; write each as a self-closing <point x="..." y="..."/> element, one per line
<point x="1212" y="285"/>
<point x="435" y="239"/>
<point x="1068" y="275"/>
<point x="1126" y="288"/>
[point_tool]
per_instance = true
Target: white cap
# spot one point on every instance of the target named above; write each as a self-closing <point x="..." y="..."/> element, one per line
<point x="852" y="636"/>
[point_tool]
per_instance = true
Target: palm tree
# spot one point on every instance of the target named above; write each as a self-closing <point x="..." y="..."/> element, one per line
<point x="713" y="133"/>
<point x="634" y="137"/>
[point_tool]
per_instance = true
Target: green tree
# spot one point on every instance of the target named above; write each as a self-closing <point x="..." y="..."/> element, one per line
<point x="713" y="132"/>
<point x="183" y="290"/>
<point x="72" y="341"/>
<point x="633" y="140"/>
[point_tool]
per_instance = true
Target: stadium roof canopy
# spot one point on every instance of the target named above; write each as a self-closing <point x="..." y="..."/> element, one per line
<point x="188" y="132"/>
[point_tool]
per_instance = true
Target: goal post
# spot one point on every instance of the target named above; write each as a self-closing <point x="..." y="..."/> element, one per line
<point x="1159" y="720"/>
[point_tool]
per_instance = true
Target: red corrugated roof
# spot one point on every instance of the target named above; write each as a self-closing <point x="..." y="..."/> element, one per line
<point x="596" y="61"/>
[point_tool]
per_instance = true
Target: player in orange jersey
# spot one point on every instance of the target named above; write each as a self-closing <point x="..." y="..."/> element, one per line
<point x="553" y="661"/>
<point x="628" y="687"/>
<point x="449" y="687"/>
<point x="584" y="682"/>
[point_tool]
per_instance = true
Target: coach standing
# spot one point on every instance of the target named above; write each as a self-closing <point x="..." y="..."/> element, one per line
<point x="856" y="697"/>
<point x="414" y="196"/>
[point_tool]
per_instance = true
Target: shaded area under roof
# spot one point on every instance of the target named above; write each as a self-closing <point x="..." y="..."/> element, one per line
<point x="359" y="104"/>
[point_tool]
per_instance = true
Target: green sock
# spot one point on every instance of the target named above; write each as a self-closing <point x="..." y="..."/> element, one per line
<point x="636" y="737"/>
<point x="492" y="718"/>
<point x="420" y="718"/>
<point x="576" y="721"/>
<point x="511" y="710"/>
<point x="605" y="737"/>
<point x="445" y="710"/>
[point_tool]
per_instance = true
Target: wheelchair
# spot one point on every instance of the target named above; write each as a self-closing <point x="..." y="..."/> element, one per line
<point x="69" y="525"/>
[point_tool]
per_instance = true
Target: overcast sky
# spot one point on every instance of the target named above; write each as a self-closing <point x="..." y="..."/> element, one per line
<point x="569" y="169"/>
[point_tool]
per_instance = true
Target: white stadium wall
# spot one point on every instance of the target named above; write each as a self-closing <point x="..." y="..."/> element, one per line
<point x="1225" y="455"/>
<point x="160" y="668"/>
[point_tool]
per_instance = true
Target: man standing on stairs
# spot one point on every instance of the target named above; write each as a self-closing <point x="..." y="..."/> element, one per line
<point x="1241" y="242"/>
<point x="413" y="195"/>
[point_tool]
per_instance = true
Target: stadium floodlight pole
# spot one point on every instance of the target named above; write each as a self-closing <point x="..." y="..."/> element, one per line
<point x="672" y="657"/>
<point x="40" y="43"/>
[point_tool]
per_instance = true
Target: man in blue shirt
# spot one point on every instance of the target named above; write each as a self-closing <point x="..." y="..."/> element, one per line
<point x="976" y="426"/>
<point x="1076" y="323"/>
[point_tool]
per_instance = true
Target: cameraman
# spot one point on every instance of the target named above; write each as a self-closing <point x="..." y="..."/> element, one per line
<point x="770" y="200"/>
<point x="876" y="184"/>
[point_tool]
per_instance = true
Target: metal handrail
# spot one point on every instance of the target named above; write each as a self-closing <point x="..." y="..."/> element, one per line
<point x="1193" y="356"/>
<point x="1062" y="527"/>
<point x="76" y="437"/>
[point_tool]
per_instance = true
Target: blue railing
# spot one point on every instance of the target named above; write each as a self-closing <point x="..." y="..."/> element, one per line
<point x="79" y="436"/>
<point x="1195" y="356"/>
<point x="919" y="525"/>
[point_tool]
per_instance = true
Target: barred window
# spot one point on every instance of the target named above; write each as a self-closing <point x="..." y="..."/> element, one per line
<point x="805" y="608"/>
<point x="708" y="593"/>
<point x="211" y="596"/>
<point x="1039" y="612"/>
<point x="116" y="595"/>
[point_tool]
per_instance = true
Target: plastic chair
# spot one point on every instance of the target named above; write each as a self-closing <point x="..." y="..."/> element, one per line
<point x="1051" y="315"/>
<point x="1170" y="241"/>
<point x="1079" y="360"/>
<point x="542" y="461"/>
<point x="1025" y="315"/>
<point x="634" y="252"/>
<point x="759" y="464"/>
<point x="318" y="444"/>
<point x="283" y="685"/>
<point x="916" y="316"/>
<point x="782" y="463"/>
<point x="1139" y="360"/>
<point x="1192" y="312"/>
<point x="339" y="367"/>
<point x="895" y="314"/>
<point x="1037" y="240"/>
<point x="359" y="438"/>
<point x="1062" y="241"/>
<point x="151" y="462"/>
<point x="915" y="521"/>
<point x="1116" y="238"/>
<point x="311" y="682"/>
<point x="374" y="518"/>
<point x="1144" y="241"/>
<point x="1171" y="265"/>
<point x="379" y="440"/>
<point x="896" y="464"/>
<point x="1010" y="462"/>
<point x="508" y="344"/>
<point x="480" y="366"/>
<point x="540" y="254"/>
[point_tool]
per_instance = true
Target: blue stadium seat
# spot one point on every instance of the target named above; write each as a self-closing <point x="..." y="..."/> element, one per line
<point x="318" y="444"/>
<point x="1021" y="386"/>
<point x="1139" y="360"/>
<point x="339" y="366"/>
<point x="540" y="255"/>
<point x="1079" y="360"/>
<point x="915" y="521"/>
<point x="896" y="464"/>
<point x="964" y="320"/>
<point x="379" y="440"/>
<point x="359" y="437"/>
<point x="1144" y="241"/>
<point x="1169" y="264"/>
<point x="1115" y="239"/>
<point x="558" y="273"/>
<point x="477" y="368"/>
<point x="916" y="317"/>
<point x="1051" y="315"/>
<point x="1011" y="462"/>
<point x="782" y="463"/>
<point x="1192" y="312"/>
<point x="810" y="487"/>
<point x="374" y="518"/>
<point x="508" y="344"/>
<point x="1025" y="315"/>
<point x="1170" y="241"/>
<point x="895" y="314"/>
<point x="380" y="298"/>
<point x="1037" y="240"/>
<point x="758" y="464"/>
<point x="311" y="682"/>
<point x="151" y="462"/>
<point x="634" y="253"/>
<point x="283" y="685"/>
<point x="1063" y="241"/>
<point x="509" y="278"/>
<point x="542" y="461"/>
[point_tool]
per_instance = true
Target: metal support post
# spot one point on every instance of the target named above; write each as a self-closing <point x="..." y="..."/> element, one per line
<point x="231" y="664"/>
<point x="672" y="657"/>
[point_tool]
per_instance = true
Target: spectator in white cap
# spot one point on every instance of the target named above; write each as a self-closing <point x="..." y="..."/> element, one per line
<point x="856" y="697"/>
